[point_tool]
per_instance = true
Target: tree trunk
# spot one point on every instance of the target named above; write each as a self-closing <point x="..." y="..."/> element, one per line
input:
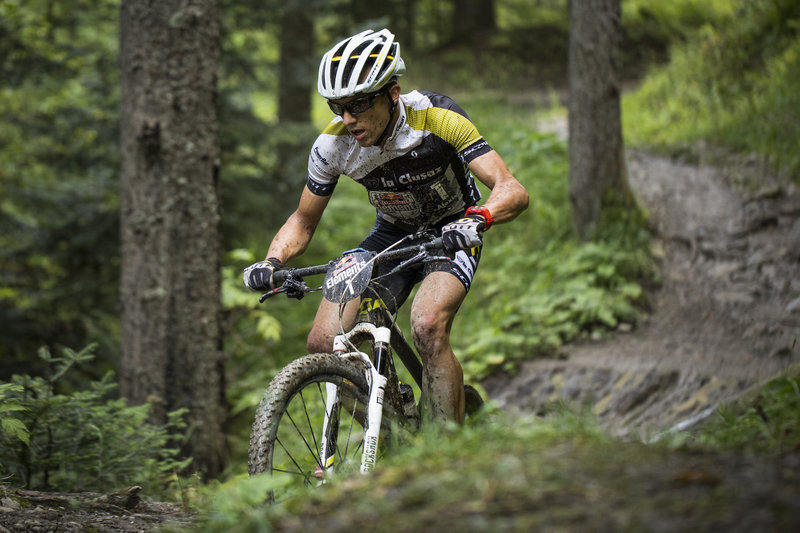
<point x="473" y="21"/>
<point x="298" y="64"/>
<point x="170" y="286"/>
<point x="597" y="177"/>
<point x="296" y="81"/>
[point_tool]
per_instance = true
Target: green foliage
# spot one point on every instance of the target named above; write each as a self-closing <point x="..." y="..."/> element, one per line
<point x="735" y="85"/>
<point x="84" y="440"/>
<point x="558" y="473"/>
<point x="12" y="426"/>
<point x="436" y="468"/>
<point x="531" y="44"/>
<point x="59" y="109"/>
<point x="767" y="423"/>
<point x="651" y="27"/>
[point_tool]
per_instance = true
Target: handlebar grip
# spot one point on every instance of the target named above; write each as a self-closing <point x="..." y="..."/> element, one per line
<point x="434" y="243"/>
<point x="279" y="276"/>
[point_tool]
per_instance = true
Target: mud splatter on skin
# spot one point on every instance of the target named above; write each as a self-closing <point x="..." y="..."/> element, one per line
<point x="432" y="316"/>
<point x="442" y="399"/>
<point x="327" y="325"/>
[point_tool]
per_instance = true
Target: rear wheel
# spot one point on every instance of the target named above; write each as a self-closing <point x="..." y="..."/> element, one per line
<point x="287" y="436"/>
<point x="472" y="400"/>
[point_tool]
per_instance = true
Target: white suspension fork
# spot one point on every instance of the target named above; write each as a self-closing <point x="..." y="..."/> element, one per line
<point x="374" y="416"/>
<point x="327" y="446"/>
<point x="376" y="391"/>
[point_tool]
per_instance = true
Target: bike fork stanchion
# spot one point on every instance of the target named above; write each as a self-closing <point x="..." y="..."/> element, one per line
<point x="382" y="336"/>
<point x="330" y="429"/>
<point x="374" y="415"/>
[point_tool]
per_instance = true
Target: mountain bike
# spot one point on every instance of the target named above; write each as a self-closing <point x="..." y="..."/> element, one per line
<point x="322" y="415"/>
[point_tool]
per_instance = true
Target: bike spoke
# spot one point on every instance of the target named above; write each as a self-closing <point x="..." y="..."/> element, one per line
<point x="349" y="430"/>
<point x="308" y="420"/>
<point x="305" y="441"/>
<point x="282" y="471"/>
<point x="347" y="443"/>
<point x="291" y="457"/>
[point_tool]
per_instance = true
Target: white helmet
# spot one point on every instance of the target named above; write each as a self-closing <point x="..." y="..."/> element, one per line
<point x="362" y="63"/>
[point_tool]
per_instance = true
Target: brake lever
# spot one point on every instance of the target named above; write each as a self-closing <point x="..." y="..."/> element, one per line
<point x="417" y="258"/>
<point x="270" y="294"/>
<point x="437" y="259"/>
<point x="294" y="288"/>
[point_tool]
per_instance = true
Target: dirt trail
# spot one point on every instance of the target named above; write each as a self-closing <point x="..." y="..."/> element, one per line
<point x="726" y="317"/>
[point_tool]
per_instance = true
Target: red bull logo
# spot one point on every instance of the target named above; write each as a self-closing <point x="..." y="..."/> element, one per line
<point x="391" y="198"/>
<point x="344" y="263"/>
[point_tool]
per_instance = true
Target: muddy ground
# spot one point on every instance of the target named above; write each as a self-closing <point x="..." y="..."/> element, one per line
<point x="123" y="511"/>
<point x="726" y="317"/>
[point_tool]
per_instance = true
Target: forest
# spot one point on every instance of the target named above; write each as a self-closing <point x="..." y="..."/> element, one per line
<point x="82" y="410"/>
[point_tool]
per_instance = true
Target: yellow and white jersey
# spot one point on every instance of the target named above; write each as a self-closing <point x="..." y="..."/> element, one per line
<point x="420" y="175"/>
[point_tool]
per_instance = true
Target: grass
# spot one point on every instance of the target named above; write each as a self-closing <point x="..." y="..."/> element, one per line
<point x="560" y="472"/>
<point x="734" y="86"/>
<point x="766" y="421"/>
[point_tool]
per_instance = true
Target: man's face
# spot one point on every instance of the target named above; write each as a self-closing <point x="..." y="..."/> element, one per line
<point x="367" y="126"/>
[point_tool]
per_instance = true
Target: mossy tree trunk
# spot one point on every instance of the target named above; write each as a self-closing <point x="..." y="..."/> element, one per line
<point x="170" y="286"/>
<point x="598" y="183"/>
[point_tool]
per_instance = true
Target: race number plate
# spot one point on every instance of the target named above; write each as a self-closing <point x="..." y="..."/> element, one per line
<point x="348" y="277"/>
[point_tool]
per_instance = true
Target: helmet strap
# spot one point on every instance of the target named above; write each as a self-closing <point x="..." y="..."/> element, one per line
<point x="392" y="109"/>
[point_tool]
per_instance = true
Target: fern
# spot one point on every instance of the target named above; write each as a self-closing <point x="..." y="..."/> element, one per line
<point x="84" y="440"/>
<point x="12" y="426"/>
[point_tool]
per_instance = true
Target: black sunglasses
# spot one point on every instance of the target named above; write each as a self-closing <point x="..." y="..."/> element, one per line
<point x="354" y="107"/>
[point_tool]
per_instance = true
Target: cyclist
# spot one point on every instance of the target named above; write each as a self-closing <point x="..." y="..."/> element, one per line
<point x="416" y="154"/>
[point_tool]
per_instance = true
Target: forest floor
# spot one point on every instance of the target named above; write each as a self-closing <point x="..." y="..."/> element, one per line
<point x="725" y="318"/>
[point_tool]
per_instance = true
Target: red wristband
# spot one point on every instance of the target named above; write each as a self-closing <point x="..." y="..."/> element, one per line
<point x="483" y="211"/>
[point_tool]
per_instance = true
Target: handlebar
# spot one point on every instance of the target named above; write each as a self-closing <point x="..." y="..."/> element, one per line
<point x="291" y="279"/>
<point x="280" y="276"/>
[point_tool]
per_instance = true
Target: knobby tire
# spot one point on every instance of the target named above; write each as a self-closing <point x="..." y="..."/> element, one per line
<point x="286" y="434"/>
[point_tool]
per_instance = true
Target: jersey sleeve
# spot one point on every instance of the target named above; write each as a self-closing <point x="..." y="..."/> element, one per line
<point x="476" y="149"/>
<point x="323" y="173"/>
<point x="450" y="122"/>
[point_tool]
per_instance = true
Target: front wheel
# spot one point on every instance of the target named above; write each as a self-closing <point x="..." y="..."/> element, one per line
<point x="287" y="437"/>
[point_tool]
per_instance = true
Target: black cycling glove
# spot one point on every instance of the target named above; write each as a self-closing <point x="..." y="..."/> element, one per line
<point x="259" y="276"/>
<point x="464" y="233"/>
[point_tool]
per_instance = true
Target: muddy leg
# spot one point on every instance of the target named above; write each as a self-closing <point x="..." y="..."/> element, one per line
<point x="432" y="313"/>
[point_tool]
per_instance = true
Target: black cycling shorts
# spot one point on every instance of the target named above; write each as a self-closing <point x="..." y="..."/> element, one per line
<point x="395" y="289"/>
